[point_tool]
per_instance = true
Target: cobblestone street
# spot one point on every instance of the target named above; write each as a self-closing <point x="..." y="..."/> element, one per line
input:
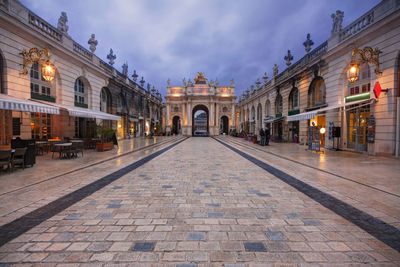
<point x="198" y="204"/>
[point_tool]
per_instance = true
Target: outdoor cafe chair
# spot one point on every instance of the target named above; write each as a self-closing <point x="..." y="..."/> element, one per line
<point x="18" y="158"/>
<point x="77" y="147"/>
<point x="5" y="159"/>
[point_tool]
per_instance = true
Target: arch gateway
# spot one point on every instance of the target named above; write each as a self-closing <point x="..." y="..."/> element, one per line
<point x="201" y="107"/>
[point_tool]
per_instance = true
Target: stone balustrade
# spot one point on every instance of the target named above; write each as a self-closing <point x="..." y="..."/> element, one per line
<point x="82" y="51"/>
<point x="357" y="26"/>
<point x="40" y="24"/>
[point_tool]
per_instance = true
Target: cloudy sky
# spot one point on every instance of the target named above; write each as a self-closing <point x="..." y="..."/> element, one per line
<point x="163" y="39"/>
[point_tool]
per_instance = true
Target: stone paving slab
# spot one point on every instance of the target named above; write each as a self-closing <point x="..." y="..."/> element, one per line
<point x="218" y="209"/>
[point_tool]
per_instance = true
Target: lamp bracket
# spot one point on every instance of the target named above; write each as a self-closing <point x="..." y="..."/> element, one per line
<point x="367" y="54"/>
<point x="32" y="56"/>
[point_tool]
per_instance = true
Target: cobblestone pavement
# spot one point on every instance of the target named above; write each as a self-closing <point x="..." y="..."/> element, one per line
<point x="198" y="204"/>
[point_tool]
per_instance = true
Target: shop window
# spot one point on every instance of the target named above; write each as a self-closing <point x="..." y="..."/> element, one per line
<point x="41" y="126"/>
<point x="40" y="88"/>
<point x="80" y="93"/>
<point x="316" y="93"/>
<point x="294" y="99"/>
<point x="362" y="85"/>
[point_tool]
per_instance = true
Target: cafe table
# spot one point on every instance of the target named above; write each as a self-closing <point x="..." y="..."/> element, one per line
<point x="64" y="148"/>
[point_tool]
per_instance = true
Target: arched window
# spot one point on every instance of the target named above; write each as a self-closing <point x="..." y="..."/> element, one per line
<point x="316" y="93"/>
<point x="253" y="113"/>
<point x="80" y="94"/>
<point x="278" y="104"/>
<point x="40" y="88"/>
<point x="294" y="99"/>
<point x="105" y="101"/>
<point x="267" y="108"/>
<point x="120" y="104"/>
<point x="362" y="85"/>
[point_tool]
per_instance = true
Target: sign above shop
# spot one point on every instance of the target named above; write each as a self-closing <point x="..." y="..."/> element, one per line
<point x="378" y="89"/>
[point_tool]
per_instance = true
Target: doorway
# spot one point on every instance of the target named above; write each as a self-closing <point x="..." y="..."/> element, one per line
<point x="357" y="128"/>
<point x="224" y="125"/>
<point x="200" y="121"/>
<point x="176" y="125"/>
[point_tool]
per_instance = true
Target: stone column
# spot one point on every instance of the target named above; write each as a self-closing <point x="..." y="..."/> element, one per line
<point x="168" y="127"/>
<point x="233" y="114"/>
<point x="217" y="118"/>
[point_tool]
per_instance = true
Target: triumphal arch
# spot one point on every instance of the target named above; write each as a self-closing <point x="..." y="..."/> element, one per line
<point x="200" y="108"/>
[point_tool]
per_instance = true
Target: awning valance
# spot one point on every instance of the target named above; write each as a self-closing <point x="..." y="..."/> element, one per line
<point x="19" y="104"/>
<point x="311" y="114"/>
<point x="133" y="119"/>
<point x="87" y="113"/>
<point x="272" y="119"/>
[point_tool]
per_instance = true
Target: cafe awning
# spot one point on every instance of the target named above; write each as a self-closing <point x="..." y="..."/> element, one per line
<point x="272" y="119"/>
<point x="19" y="104"/>
<point x="311" y="114"/>
<point x="87" y="113"/>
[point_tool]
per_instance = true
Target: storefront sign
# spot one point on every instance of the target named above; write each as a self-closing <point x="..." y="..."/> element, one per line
<point x="314" y="138"/>
<point x="371" y="129"/>
<point x="377" y="90"/>
<point x="330" y="131"/>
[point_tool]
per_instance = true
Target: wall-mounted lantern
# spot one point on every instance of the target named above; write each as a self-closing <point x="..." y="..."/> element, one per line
<point x="35" y="55"/>
<point x="367" y="54"/>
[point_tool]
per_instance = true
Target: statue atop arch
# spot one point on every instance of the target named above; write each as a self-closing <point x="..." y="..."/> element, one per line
<point x="200" y="79"/>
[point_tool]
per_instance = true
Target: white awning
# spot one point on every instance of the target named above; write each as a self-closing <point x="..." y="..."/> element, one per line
<point x="272" y="119"/>
<point x="133" y="119"/>
<point x="87" y="113"/>
<point x="311" y="114"/>
<point x="19" y="104"/>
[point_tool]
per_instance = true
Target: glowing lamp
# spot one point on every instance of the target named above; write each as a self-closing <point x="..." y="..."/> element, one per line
<point x="119" y="125"/>
<point x="48" y="71"/>
<point x="322" y="130"/>
<point x="353" y="72"/>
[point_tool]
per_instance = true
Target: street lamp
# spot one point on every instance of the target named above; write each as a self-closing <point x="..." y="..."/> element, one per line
<point x="367" y="54"/>
<point x="35" y="55"/>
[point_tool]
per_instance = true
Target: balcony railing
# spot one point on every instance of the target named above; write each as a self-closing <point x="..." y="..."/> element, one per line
<point x="44" y="27"/>
<point x="81" y="105"/>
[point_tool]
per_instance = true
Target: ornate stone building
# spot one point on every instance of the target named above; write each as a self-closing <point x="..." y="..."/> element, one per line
<point x="83" y="92"/>
<point x="316" y="100"/>
<point x="182" y="103"/>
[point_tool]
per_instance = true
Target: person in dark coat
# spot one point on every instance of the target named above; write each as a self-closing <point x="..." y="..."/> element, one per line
<point x="262" y="137"/>
<point x="267" y="135"/>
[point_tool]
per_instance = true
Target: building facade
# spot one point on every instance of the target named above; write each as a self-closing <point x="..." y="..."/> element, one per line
<point x="217" y="102"/>
<point x="313" y="102"/>
<point x="84" y="92"/>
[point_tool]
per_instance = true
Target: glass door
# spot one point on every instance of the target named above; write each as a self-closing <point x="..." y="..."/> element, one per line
<point x="357" y="128"/>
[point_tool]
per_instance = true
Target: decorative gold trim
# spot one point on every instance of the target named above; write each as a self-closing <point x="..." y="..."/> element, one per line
<point x="32" y="56"/>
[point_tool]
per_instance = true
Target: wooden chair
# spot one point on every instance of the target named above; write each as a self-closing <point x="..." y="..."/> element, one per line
<point x="5" y="159"/>
<point x="18" y="158"/>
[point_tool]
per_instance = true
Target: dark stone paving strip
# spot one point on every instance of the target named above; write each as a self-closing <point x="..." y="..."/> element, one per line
<point x="379" y="229"/>
<point x="23" y="224"/>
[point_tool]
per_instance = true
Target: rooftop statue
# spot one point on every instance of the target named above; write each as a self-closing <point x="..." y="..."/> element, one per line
<point x="184" y="82"/>
<point x="200" y="79"/>
<point x="275" y="70"/>
<point x="232" y="83"/>
<point x="337" y="21"/>
<point x="93" y="43"/>
<point x="169" y="82"/>
<point x="111" y="57"/>
<point x="62" y="23"/>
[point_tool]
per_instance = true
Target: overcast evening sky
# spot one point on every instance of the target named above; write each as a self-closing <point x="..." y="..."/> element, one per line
<point x="163" y="39"/>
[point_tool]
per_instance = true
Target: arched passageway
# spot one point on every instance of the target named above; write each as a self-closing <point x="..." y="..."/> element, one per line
<point x="200" y="121"/>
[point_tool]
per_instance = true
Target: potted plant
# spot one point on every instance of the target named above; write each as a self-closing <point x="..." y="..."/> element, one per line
<point x="255" y="139"/>
<point x="106" y="141"/>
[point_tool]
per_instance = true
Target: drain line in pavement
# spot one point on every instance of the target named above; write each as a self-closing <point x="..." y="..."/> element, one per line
<point x="23" y="224"/>
<point x="379" y="229"/>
